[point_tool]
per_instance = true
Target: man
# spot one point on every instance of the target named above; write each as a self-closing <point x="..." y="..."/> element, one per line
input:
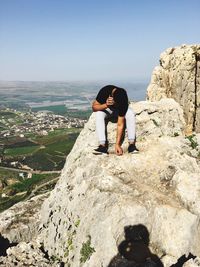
<point x="112" y="101"/>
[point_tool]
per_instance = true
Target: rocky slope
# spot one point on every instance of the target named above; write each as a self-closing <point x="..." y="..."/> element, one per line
<point x="21" y="222"/>
<point x="83" y="220"/>
<point x="97" y="196"/>
<point x="178" y="77"/>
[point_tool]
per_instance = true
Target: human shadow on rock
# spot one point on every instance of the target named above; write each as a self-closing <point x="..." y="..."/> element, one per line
<point x="134" y="250"/>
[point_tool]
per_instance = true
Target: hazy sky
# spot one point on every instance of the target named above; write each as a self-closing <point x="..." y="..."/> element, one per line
<point x="91" y="39"/>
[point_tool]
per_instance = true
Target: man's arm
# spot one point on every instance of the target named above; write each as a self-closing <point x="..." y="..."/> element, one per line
<point x="96" y="106"/>
<point x="120" y="129"/>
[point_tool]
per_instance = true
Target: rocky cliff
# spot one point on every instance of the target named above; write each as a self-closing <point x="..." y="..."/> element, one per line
<point x="98" y="195"/>
<point x="178" y="77"/>
<point x="82" y="221"/>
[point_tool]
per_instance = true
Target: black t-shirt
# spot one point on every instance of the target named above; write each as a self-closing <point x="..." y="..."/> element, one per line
<point x="120" y="98"/>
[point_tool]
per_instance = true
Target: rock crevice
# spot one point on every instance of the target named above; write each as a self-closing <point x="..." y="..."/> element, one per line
<point x="195" y="91"/>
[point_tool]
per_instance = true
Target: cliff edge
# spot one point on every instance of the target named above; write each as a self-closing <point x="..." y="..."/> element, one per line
<point x="83" y="219"/>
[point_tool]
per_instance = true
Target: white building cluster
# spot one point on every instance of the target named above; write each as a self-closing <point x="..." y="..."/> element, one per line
<point x="36" y="122"/>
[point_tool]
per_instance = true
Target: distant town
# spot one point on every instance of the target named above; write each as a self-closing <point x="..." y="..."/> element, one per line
<point x="24" y="130"/>
<point x="40" y="122"/>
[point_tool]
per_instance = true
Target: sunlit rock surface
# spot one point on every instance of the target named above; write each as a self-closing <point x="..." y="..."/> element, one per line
<point x="21" y="222"/>
<point x="97" y="196"/>
<point x="178" y="77"/>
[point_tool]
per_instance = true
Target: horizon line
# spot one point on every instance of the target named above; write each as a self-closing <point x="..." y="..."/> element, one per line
<point x="102" y="80"/>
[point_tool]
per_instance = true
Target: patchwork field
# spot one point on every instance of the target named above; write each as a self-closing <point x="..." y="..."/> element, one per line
<point x="15" y="186"/>
<point x="20" y="151"/>
<point x="64" y="111"/>
<point x="41" y="152"/>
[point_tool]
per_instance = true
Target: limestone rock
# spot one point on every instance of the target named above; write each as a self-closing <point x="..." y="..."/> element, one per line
<point x="97" y="196"/>
<point x="27" y="254"/>
<point x="178" y="77"/>
<point x="21" y="221"/>
<point x="192" y="263"/>
<point x="161" y="118"/>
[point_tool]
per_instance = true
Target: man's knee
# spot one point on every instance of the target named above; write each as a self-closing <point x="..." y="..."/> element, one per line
<point x="130" y="114"/>
<point x="100" y="115"/>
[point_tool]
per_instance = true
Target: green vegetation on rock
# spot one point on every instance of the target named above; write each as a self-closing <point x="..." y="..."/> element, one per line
<point x="86" y="250"/>
<point x="193" y="142"/>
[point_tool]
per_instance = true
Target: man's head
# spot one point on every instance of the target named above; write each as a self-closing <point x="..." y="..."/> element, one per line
<point x="121" y="100"/>
<point x="119" y="95"/>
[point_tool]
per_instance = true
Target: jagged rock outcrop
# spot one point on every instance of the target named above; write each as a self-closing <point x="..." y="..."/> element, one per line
<point x="21" y="222"/>
<point x="96" y="196"/>
<point x="26" y="254"/>
<point x="192" y="263"/>
<point x="178" y="77"/>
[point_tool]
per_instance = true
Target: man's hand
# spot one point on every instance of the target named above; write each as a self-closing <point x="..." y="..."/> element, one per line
<point x="118" y="150"/>
<point x="110" y="101"/>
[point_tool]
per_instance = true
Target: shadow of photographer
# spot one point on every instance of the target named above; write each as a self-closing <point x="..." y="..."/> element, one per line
<point x="134" y="251"/>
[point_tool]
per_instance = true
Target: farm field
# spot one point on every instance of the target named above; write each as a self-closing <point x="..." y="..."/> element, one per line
<point x="64" y="111"/>
<point x="45" y="153"/>
<point x="15" y="188"/>
<point x="20" y="151"/>
<point x="30" y="161"/>
<point x="40" y="153"/>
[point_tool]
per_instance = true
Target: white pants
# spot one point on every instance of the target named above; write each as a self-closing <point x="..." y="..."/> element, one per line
<point x="101" y="128"/>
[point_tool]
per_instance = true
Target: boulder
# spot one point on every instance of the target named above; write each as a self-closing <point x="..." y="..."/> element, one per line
<point x="27" y="254"/>
<point x="21" y="221"/>
<point x="178" y="77"/>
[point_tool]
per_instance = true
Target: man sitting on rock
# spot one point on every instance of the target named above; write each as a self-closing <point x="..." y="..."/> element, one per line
<point x="112" y="101"/>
